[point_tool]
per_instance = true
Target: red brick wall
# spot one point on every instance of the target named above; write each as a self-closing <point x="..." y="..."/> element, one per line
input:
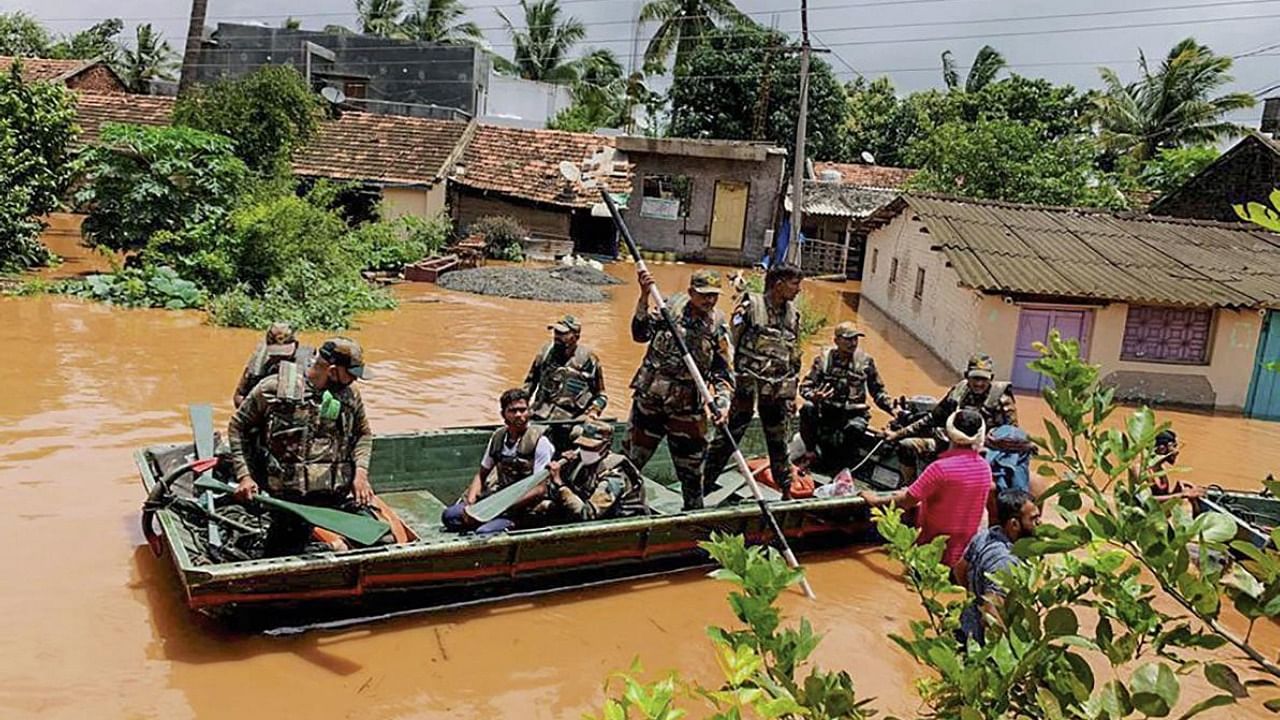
<point x="97" y="79"/>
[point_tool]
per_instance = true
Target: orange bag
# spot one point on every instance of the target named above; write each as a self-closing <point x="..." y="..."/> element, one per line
<point x="801" y="481"/>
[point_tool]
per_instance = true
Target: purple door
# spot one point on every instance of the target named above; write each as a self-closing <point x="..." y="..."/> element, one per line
<point x="1034" y="325"/>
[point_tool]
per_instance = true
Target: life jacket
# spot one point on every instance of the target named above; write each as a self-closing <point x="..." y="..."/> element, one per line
<point x="849" y="379"/>
<point x="662" y="373"/>
<point x="992" y="406"/>
<point x="306" y="452"/>
<point x="626" y="487"/>
<point x="261" y="365"/>
<point x="566" y="387"/>
<point x="768" y="351"/>
<point x="508" y="469"/>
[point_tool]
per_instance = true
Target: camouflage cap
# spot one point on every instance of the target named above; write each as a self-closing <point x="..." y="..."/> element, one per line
<point x="981" y="366"/>
<point x="568" y="323"/>
<point x="847" y="329"/>
<point x="593" y="435"/>
<point x="707" y="282"/>
<point x="345" y="352"/>
<point x="280" y="339"/>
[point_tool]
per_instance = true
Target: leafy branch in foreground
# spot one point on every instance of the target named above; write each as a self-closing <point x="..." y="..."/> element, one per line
<point x="1094" y="568"/>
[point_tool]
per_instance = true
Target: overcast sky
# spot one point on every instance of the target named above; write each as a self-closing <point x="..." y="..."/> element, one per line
<point x="1062" y="41"/>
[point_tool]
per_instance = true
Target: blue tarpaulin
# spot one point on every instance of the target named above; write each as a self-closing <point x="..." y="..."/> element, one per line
<point x="781" y="240"/>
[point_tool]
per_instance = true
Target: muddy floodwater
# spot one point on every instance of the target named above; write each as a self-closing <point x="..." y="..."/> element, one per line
<point x="92" y="626"/>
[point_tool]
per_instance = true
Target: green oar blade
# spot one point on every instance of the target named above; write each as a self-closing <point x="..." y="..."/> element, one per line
<point x="498" y="503"/>
<point x="362" y="529"/>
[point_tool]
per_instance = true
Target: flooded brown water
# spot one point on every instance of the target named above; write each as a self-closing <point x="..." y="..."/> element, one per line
<point x="91" y="625"/>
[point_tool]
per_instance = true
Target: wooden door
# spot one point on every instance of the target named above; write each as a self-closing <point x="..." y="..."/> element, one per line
<point x="1034" y="325"/>
<point x="729" y="214"/>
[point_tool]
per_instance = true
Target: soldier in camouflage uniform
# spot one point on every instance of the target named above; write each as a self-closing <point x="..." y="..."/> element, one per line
<point x="666" y="401"/>
<point x="835" y="416"/>
<point x="313" y="428"/>
<point x="591" y="482"/>
<point x="766" y="356"/>
<point x="565" y="382"/>
<point x="924" y="438"/>
<point x="280" y="344"/>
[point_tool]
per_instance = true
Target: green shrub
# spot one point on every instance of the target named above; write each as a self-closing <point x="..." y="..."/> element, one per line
<point x="143" y="180"/>
<point x="305" y="297"/>
<point x="502" y="235"/>
<point x="271" y="237"/>
<point x="37" y="124"/>
<point x="138" y="287"/>
<point x="391" y="244"/>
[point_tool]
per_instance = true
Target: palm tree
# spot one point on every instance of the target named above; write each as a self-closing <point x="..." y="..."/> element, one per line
<point x="683" y="23"/>
<point x="150" y="59"/>
<point x="542" y="48"/>
<point x="191" y="54"/>
<point x="380" y="17"/>
<point x="441" y="21"/>
<point x="1171" y="107"/>
<point x="986" y="64"/>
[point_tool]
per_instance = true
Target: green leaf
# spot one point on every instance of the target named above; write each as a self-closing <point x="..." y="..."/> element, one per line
<point x="1224" y="678"/>
<point x="1155" y="689"/>
<point x="1061" y="621"/>
<point x="1273" y="705"/>
<point x="1240" y="579"/>
<point x="1208" y="704"/>
<point x="1048" y="702"/>
<point x="1215" y="527"/>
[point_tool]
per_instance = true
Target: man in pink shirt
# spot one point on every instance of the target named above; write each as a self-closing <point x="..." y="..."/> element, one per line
<point x="953" y="491"/>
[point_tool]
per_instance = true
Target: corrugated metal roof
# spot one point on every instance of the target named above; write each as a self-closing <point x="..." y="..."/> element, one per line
<point x="1100" y="255"/>
<point x="836" y="200"/>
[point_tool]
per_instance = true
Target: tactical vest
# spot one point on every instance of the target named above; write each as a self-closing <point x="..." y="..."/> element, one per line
<point x="992" y="406"/>
<point x="262" y="365"/>
<point x="567" y="387"/>
<point x="305" y="452"/>
<point x="512" y="468"/>
<point x="849" y="379"/>
<point x="663" y="373"/>
<point x="766" y="352"/>
<point x="629" y="488"/>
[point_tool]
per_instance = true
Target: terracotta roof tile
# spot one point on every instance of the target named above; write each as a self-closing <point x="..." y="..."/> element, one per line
<point x="391" y="149"/>
<point x="1099" y="254"/>
<point x="47" y="69"/>
<point x="872" y="176"/>
<point x="94" y="110"/>
<point x="525" y="163"/>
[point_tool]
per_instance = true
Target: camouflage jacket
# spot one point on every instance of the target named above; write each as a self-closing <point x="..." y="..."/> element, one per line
<point x="305" y="452"/>
<point x="564" y="388"/>
<point x="766" y="343"/>
<point x="662" y="375"/>
<point x="997" y="407"/>
<point x="261" y="366"/>
<point x="853" y="377"/>
<point x="612" y="487"/>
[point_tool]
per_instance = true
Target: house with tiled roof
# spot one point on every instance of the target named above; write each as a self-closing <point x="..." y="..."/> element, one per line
<point x="1247" y="172"/>
<point x="837" y="204"/>
<point x="515" y="172"/>
<point x="1173" y="310"/>
<point x="405" y="160"/>
<point x="92" y="75"/>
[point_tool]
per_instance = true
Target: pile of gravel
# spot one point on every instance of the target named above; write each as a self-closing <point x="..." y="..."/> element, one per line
<point x="520" y="283"/>
<point x="584" y="274"/>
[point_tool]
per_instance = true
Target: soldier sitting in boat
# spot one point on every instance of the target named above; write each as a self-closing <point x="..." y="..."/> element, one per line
<point x="592" y="482"/>
<point x="565" y="382"/>
<point x="280" y="344"/>
<point x="835" y="416"/>
<point x="515" y="451"/>
<point x="316" y="440"/>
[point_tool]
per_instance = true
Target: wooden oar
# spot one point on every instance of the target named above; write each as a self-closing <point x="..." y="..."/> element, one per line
<point x="202" y="433"/>
<point x="704" y="392"/>
<point x="496" y="504"/>
<point x="364" y="530"/>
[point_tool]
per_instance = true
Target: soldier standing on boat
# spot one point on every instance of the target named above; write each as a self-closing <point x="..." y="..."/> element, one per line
<point x="923" y="438"/>
<point x="565" y="382"/>
<point x="835" y="416"/>
<point x="766" y="356"/>
<point x="666" y="401"/>
<point x="280" y="344"/>
<point x="312" y="426"/>
<point x="592" y="482"/>
<point x="515" y="451"/>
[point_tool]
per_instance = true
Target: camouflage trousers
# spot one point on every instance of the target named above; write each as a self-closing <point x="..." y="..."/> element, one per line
<point x="914" y="452"/>
<point x="774" y="413"/>
<point x="686" y="433"/>
<point x="835" y="435"/>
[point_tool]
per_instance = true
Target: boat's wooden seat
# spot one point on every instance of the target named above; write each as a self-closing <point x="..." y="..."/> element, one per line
<point x="420" y="510"/>
<point x="662" y="499"/>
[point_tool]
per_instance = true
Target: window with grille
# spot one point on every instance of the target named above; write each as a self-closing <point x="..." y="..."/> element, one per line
<point x="875" y="259"/>
<point x="919" y="294"/>
<point x="1167" y="335"/>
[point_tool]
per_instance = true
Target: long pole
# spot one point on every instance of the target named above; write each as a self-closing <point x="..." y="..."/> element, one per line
<point x="797" y="171"/>
<point x="191" y="53"/>
<point x="704" y="392"/>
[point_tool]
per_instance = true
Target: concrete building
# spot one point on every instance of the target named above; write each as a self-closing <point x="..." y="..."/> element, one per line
<point x="1174" y="311"/>
<point x="377" y="74"/>
<point x="524" y="103"/>
<point x="94" y="76"/>
<point x="706" y="200"/>
<point x="1248" y="172"/>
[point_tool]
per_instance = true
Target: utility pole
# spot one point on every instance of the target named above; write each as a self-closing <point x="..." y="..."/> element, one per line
<point x="797" y="171"/>
<point x="191" y="54"/>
